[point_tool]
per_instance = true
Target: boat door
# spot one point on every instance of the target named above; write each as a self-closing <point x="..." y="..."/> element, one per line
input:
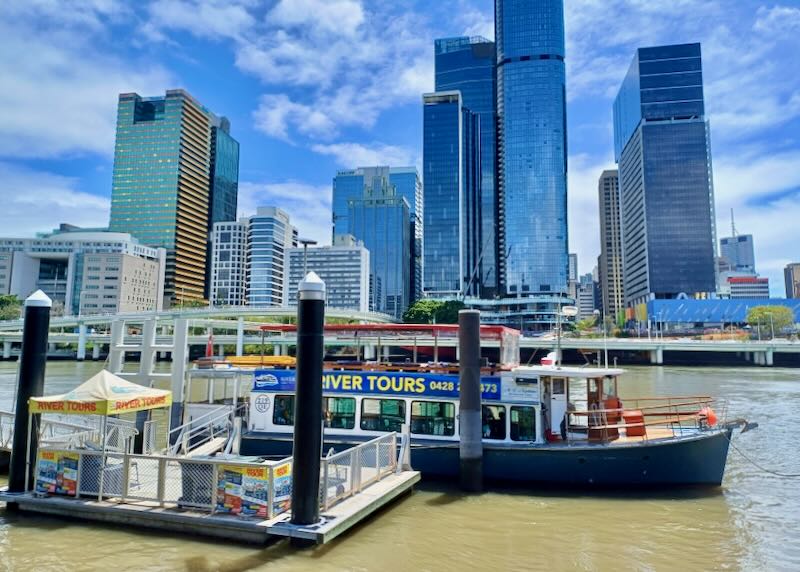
<point x="556" y="392"/>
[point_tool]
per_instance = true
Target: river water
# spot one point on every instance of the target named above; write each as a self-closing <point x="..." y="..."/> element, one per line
<point x="751" y="523"/>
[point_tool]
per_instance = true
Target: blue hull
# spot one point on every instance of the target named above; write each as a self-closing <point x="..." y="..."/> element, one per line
<point x="695" y="460"/>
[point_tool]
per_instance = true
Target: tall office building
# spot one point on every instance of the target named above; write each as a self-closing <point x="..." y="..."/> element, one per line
<point x="531" y="147"/>
<point x="587" y="296"/>
<point x="405" y="182"/>
<point x="661" y="142"/>
<point x="468" y="66"/>
<point x="738" y="251"/>
<point x="171" y="156"/>
<point x="451" y="166"/>
<point x="791" y="275"/>
<point x="344" y="267"/>
<point x="250" y="263"/>
<point x="610" y="261"/>
<point x="572" y="275"/>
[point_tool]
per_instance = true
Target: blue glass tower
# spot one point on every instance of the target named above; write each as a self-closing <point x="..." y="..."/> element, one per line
<point x="375" y="182"/>
<point x="531" y="147"/>
<point x="452" y="167"/>
<point x="661" y="142"/>
<point x="468" y="65"/>
<point x="380" y="218"/>
<point x="224" y="173"/>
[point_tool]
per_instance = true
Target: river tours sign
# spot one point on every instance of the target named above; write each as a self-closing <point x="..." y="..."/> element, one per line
<point x="411" y="384"/>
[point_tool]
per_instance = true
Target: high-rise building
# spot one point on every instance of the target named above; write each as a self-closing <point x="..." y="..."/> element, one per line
<point x="661" y="141"/>
<point x="344" y="267"/>
<point x="587" y="296"/>
<point x="468" y="66"/>
<point x="613" y="297"/>
<point x="171" y="156"/>
<point x="85" y="271"/>
<point x="747" y="287"/>
<point x="531" y="147"/>
<point x="406" y="183"/>
<point x="739" y="252"/>
<point x="791" y="276"/>
<point x="228" y="284"/>
<point x="269" y="237"/>
<point x="451" y="166"/>
<point x="572" y="275"/>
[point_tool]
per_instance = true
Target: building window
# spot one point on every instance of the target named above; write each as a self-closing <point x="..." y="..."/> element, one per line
<point x="340" y="412"/>
<point x="433" y="418"/>
<point x="383" y="414"/>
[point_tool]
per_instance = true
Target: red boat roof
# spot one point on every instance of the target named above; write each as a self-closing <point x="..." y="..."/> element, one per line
<point x="493" y="332"/>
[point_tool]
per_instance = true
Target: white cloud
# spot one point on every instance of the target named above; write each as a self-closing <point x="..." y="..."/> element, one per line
<point x="309" y="206"/>
<point x="351" y="155"/>
<point x="60" y="87"/>
<point x="276" y="112"/>
<point x="209" y="18"/>
<point x="778" y="19"/>
<point x="338" y="17"/>
<point x="37" y="201"/>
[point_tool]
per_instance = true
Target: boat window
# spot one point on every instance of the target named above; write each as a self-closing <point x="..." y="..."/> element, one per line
<point x="383" y="414"/>
<point x="494" y="421"/>
<point x="339" y="412"/>
<point x="283" y="414"/>
<point x="433" y="418"/>
<point x="558" y="386"/>
<point x="523" y="424"/>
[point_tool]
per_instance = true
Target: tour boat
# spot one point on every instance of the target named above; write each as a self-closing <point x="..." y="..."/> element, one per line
<point x="542" y="424"/>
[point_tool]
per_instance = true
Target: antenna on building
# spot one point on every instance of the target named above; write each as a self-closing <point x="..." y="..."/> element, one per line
<point x="733" y="225"/>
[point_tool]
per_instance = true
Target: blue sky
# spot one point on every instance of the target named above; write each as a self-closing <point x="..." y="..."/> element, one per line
<point x="311" y="86"/>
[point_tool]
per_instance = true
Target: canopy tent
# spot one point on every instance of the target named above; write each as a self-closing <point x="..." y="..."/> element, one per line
<point x="103" y="394"/>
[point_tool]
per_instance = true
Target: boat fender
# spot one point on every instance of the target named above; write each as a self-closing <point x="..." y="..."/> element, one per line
<point x="709" y="415"/>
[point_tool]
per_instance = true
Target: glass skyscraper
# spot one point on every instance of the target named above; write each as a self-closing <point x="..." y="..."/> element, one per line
<point x="378" y="184"/>
<point x="468" y="65"/>
<point x="452" y="168"/>
<point x="531" y="147"/>
<point x="661" y="141"/>
<point x="167" y="165"/>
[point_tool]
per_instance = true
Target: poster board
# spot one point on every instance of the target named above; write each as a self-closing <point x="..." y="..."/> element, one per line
<point x="243" y="490"/>
<point x="282" y="488"/>
<point x="57" y="472"/>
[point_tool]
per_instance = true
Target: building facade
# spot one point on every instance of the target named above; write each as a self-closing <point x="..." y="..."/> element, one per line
<point x="467" y="65"/>
<point x="661" y="141"/>
<point x="791" y="276"/>
<point x="85" y="272"/>
<point x="404" y="182"/>
<point x="739" y="252"/>
<point x="747" y="287"/>
<point x="344" y="267"/>
<point x="531" y="147"/>
<point x="228" y="284"/>
<point x="610" y="261"/>
<point x="587" y="296"/>
<point x="451" y="166"/>
<point x="171" y="155"/>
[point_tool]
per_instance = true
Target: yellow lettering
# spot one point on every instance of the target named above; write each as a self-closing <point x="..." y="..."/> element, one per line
<point x="371" y="379"/>
<point x="420" y="385"/>
<point x="384" y="383"/>
<point x="347" y="384"/>
<point x="357" y="383"/>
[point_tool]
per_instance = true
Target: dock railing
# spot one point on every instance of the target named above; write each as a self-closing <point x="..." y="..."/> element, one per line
<point x="209" y="485"/>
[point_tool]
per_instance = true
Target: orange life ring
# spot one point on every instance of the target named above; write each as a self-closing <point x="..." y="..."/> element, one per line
<point x="708" y="413"/>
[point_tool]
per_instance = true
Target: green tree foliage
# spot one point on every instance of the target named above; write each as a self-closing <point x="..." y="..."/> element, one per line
<point x="427" y="311"/>
<point x="586" y="324"/>
<point x="10" y="307"/>
<point x="768" y="317"/>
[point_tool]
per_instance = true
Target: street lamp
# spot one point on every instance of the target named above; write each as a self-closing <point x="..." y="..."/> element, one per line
<point x="305" y="242"/>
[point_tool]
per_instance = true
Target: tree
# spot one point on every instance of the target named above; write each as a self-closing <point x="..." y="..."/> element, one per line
<point x="586" y="324"/>
<point x="10" y="307"/>
<point x="448" y="312"/>
<point x="422" y="311"/>
<point x="770" y="318"/>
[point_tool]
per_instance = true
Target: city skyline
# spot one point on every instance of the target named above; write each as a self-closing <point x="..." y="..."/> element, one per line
<point x="65" y="159"/>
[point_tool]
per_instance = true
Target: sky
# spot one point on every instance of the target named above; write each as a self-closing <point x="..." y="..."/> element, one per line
<point x="312" y="86"/>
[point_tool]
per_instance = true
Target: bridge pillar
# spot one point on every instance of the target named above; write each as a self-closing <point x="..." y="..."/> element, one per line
<point x="276" y="349"/>
<point x="6" y="350"/>
<point x="387" y="353"/>
<point x="369" y="352"/>
<point x="51" y="348"/>
<point x="657" y="356"/>
<point x="220" y="351"/>
<point x="758" y="358"/>
<point x="240" y="336"/>
<point x="148" y="356"/>
<point x="180" y="358"/>
<point x="96" y="351"/>
<point x="769" y="358"/>
<point x="81" y="342"/>
<point x="164" y="332"/>
<point x="116" y="353"/>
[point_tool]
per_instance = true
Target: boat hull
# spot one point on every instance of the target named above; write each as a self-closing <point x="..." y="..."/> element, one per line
<point x="696" y="460"/>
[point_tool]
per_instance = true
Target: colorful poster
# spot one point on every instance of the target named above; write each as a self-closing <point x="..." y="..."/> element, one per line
<point x="57" y="473"/>
<point x="242" y="490"/>
<point x="282" y="488"/>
